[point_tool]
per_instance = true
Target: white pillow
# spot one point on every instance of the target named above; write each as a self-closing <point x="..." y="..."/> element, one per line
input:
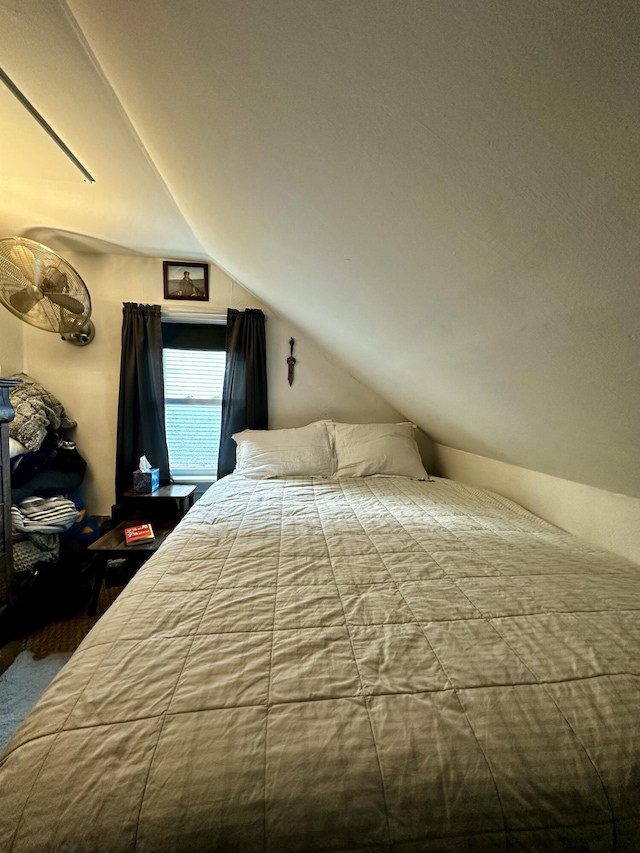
<point x="302" y="452"/>
<point x="363" y="450"/>
<point x="16" y="448"/>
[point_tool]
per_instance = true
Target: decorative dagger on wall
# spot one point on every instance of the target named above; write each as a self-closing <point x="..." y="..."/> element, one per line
<point x="291" y="362"/>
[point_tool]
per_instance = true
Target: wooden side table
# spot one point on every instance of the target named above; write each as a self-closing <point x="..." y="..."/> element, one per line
<point x="112" y="546"/>
<point x="166" y="502"/>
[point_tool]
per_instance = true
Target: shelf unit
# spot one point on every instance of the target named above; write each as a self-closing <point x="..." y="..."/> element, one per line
<point x="6" y="545"/>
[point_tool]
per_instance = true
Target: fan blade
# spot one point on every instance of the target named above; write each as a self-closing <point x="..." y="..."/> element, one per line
<point x="66" y="302"/>
<point x="23" y="301"/>
<point x="24" y="259"/>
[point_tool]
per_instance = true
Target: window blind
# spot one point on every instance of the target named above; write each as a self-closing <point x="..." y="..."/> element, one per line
<point x="193" y="381"/>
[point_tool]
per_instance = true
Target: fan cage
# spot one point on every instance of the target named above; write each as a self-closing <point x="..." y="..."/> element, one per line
<point x="31" y="268"/>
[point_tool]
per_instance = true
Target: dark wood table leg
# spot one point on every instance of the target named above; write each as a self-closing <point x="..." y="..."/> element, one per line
<point x="97" y="585"/>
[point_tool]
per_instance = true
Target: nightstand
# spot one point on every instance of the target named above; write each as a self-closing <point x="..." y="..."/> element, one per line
<point x="112" y="546"/>
<point x="167" y="503"/>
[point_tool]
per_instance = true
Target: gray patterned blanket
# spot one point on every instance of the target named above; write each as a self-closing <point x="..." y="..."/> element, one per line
<point x="36" y="411"/>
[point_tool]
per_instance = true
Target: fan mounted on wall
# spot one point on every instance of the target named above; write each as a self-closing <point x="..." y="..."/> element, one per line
<point x="44" y="290"/>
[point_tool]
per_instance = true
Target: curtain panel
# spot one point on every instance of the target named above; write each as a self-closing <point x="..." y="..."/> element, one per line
<point x="244" y="398"/>
<point x="141" y="425"/>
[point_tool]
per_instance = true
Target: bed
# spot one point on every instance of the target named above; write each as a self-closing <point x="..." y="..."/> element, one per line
<point x="363" y="663"/>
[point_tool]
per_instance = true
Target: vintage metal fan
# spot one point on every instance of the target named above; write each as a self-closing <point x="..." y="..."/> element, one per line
<point x="44" y="290"/>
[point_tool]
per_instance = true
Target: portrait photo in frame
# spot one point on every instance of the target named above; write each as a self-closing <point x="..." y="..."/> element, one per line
<point x="186" y="280"/>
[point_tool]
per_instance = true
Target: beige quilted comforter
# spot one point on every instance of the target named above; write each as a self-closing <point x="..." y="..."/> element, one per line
<point x="374" y="664"/>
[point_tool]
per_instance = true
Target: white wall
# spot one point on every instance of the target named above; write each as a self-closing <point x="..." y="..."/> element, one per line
<point x="86" y="379"/>
<point x="598" y="516"/>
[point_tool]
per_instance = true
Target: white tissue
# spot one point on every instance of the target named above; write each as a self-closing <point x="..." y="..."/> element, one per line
<point x="144" y="464"/>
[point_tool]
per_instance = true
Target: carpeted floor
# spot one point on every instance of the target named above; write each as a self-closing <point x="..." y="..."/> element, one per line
<point x="21" y="686"/>
<point x="66" y="635"/>
<point x="44" y="652"/>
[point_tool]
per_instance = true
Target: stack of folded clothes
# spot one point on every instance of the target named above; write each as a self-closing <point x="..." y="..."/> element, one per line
<point x="36" y="526"/>
<point x="43" y="515"/>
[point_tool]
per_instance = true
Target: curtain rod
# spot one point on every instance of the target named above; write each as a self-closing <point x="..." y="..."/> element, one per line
<point x="175" y="315"/>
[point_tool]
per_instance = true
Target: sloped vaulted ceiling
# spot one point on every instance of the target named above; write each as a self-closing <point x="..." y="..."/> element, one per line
<point x="443" y="194"/>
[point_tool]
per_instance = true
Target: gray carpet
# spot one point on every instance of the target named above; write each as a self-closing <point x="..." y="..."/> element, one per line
<point x="21" y="686"/>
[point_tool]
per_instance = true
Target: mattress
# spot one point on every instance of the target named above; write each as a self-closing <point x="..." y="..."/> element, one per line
<point x="313" y="665"/>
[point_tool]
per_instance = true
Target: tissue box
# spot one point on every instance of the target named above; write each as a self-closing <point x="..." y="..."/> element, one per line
<point x="146" y="481"/>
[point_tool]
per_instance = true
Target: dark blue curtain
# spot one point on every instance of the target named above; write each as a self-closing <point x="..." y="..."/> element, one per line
<point x="141" y="429"/>
<point x="244" y="398"/>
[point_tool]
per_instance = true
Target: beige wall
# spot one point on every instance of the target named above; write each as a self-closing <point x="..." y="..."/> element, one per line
<point x="11" y="336"/>
<point x="595" y="515"/>
<point x="86" y="378"/>
<point x="86" y="381"/>
<point x="321" y="388"/>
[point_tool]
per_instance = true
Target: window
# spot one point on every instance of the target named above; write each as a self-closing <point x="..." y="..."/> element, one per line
<point x="193" y="382"/>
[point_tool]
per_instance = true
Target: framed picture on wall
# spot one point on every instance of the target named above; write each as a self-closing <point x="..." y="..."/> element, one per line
<point x="186" y="280"/>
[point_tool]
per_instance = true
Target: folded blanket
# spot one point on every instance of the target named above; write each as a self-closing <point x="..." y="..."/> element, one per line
<point x="36" y="411"/>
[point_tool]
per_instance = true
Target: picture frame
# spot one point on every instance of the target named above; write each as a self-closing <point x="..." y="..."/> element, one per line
<point x="186" y="280"/>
